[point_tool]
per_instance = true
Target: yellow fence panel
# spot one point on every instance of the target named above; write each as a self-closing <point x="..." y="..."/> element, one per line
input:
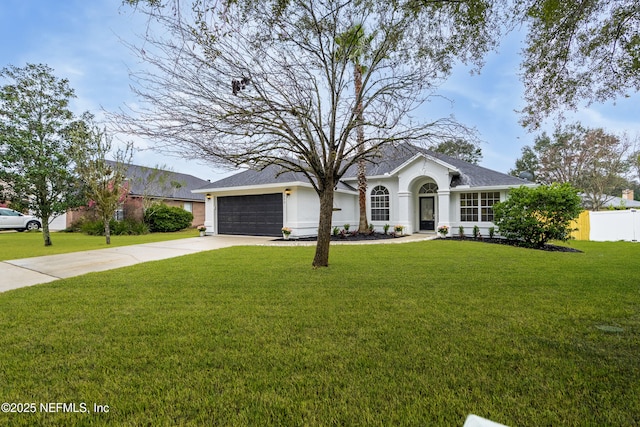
<point x="582" y="225"/>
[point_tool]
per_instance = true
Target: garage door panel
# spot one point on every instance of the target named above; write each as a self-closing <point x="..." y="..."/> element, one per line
<point x="258" y="215"/>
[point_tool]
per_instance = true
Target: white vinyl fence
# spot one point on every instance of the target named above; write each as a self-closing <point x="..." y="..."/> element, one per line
<point x="615" y="225"/>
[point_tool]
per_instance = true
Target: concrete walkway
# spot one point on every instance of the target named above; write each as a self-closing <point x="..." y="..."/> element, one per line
<point x="19" y="273"/>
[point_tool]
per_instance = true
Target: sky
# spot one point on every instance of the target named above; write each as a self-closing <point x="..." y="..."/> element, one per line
<point x="82" y="40"/>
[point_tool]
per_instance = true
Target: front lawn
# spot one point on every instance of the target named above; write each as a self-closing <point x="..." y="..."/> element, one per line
<point x="401" y="334"/>
<point x="30" y="244"/>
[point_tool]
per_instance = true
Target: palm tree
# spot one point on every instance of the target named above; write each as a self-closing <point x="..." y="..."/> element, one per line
<point x="352" y="46"/>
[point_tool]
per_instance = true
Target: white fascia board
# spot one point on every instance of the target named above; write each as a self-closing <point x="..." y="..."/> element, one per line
<point x="372" y="177"/>
<point x="394" y="173"/>
<point x="451" y="168"/>
<point x="258" y="188"/>
<point x="252" y="187"/>
<point x="467" y="188"/>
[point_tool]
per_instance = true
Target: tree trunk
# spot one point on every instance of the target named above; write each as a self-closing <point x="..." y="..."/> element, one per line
<point x="362" y="167"/>
<point x="321" y="258"/>
<point x="362" y="195"/>
<point x="107" y="230"/>
<point x="46" y="234"/>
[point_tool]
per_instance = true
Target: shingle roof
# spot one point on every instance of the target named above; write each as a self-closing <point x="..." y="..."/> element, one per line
<point x="612" y="202"/>
<point x="272" y="174"/>
<point x="390" y="158"/>
<point x="179" y="185"/>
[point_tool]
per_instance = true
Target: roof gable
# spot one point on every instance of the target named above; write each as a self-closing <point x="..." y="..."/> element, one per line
<point x="394" y="158"/>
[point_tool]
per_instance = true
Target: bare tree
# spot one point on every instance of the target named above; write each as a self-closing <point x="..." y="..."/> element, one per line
<point x="261" y="83"/>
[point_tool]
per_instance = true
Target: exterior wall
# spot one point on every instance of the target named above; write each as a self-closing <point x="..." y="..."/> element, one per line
<point x="198" y="214"/>
<point x="301" y="205"/>
<point x="71" y="217"/>
<point x="301" y="208"/>
<point x="58" y="223"/>
<point x="410" y="179"/>
<point x="197" y="209"/>
<point x="468" y="225"/>
<point x="349" y="210"/>
<point x="391" y="184"/>
<point x="405" y="200"/>
<point x="133" y="208"/>
<point x="75" y="215"/>
<point x="210" y="215"/>
<point x="302" y="211"/>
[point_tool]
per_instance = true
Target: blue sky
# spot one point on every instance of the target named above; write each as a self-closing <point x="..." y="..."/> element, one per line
<point x="81" y="41"/>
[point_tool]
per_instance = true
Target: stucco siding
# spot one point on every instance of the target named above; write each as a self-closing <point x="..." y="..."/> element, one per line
<point x="302" y="211"/>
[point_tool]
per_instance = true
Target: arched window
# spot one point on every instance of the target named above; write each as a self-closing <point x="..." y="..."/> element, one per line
<point x="429" y="188"/>
<point x="380" y="204"/>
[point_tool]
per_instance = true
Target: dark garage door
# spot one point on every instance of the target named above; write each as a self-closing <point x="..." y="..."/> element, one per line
<point x="259" y="215"/>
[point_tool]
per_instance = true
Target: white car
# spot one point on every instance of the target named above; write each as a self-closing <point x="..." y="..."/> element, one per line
<point x="13" y="220"/>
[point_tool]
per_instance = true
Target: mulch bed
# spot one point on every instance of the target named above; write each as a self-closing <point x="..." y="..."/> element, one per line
<point x="348" y="238"/>
<point x="517" y="243"/>
<point x="380" y="236"/>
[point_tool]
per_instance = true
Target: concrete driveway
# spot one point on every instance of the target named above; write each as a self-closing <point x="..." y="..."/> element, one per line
<point x="18" y="273"/>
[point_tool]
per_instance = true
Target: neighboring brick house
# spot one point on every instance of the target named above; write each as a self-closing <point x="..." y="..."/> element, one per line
<point x="151" y="184"/>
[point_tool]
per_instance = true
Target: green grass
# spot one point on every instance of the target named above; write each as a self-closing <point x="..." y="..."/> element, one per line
<point x="30" y="244"/>
<point x="411" y="334"/>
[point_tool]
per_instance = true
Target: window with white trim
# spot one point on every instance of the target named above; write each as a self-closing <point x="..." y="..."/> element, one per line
<point x="478" y="206"/>
<point x="118" y="215"/>
<point x="380" y="204"/>
<point x="468" y="207"/>
<point x="487" y="200"/>
<point x="429" y="188"/>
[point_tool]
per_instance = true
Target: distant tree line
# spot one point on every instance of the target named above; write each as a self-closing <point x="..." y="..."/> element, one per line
<point x="599" y="164"/>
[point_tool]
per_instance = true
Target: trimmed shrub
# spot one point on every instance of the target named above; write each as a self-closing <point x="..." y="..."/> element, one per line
<point x="128" y="227"/>
<point x="118" y="228"/>
<point x="165" y="218"/>
<point x="537" y="215"/>
<point x="94" y="228"/>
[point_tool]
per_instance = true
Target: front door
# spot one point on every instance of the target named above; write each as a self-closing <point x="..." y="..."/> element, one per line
<point x="427" y="214"/>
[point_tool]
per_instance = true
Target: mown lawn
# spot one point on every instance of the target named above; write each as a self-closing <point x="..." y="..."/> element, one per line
<point x="30" y="244"/>
<point x="404" y="334"/>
